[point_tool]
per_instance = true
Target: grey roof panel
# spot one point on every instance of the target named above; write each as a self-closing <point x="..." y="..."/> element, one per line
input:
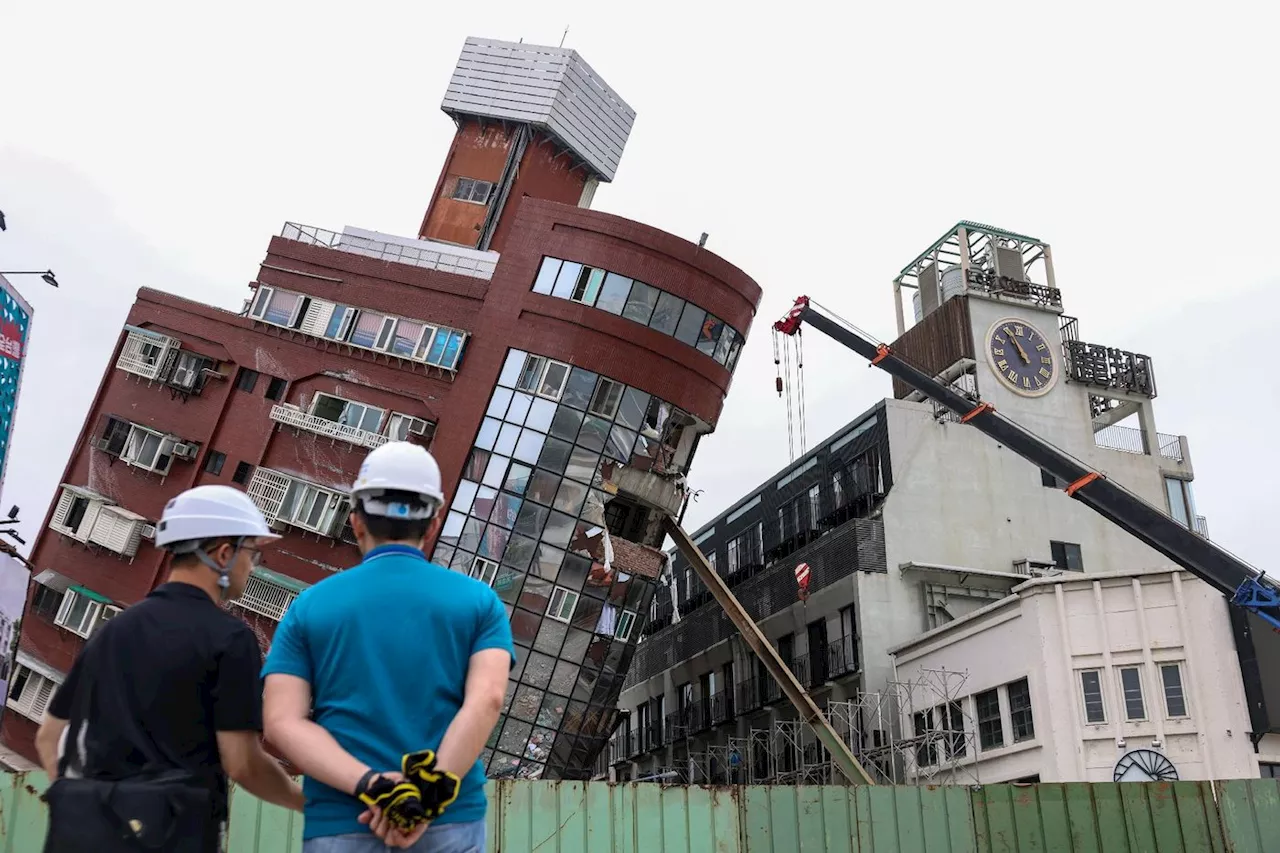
<point x="549" y="87"/>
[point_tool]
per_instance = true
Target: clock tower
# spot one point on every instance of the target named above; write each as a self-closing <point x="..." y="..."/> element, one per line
<point x="987" y="315"/>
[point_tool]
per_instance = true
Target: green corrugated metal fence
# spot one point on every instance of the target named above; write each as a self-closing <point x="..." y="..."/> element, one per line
<point x="572" y="817"/>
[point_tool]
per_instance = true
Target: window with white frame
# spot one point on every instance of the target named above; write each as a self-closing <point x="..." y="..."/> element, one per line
<point x="80" y="614"/>
<point x="442" y="347"/>
<point x="339" y="324"/>
<point x="626" y="622"/>
<point x="401" y="426"/>
<point x="115" y="436"/>
<point x="543" y="377"/>
<point x="604" y="402"/>
<point x="149" y="449"/>
<point x="347" y="412"/>
<point x="563" y="601"/>
<point x="472" y="190"/>
<point x="315" y="508"/>
<point x="30" y="692"/>
<point x="484" y="570"/>
<point x="1131" y="691"/>
<point x="1175" y="701"/>
<point x="279" y="307"/>
<point x="1095" y="707"/>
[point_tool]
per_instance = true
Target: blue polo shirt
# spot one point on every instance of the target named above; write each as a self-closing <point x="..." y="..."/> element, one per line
<point x="386" y="646"/>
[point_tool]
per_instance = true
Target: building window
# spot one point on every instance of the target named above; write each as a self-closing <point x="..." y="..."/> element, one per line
<point x="1131" y="687"/>
<point x="401" y="426"/>
<point x="81" y="614"/>
<point x="241" y="475"/>
<point x="563" y="601"/>
<point x="1024" y="727"/>
<point x="30" y="692"/>
<point x="926" y="750"/>
<point x="954" y="745"/>
<point x="1175" y="701"/>
<point x="544" y="377"/>
<point x="640" y="303"/>
<point x="115" y="436"/>
<point x="1066" y="555"/>
<point x="1182" y="507"/>
<point x="625" y="623"/>
<point x="246" y="379"/>
<point x="77" y="507"/>
<point x="746" y="550"/>
<point x="275" y="389"/>
<point x="347" y="412"/>
<point x="604" y="402"/>
<point x="1095" y="710"/>
<point x="815" y="506"/>
<point x="143" y="353"/>
<point x="186" y="373"/>
<point x="214" y="461"/>
<point x="311" y="507"/>
<point x="484" y="570"/>
<point x="472" y="190"/>
<point x="150" y="450"/>
<point x="46" y="601"/>
<point x="990" y="728"/>
<point x="1269" y="771"/>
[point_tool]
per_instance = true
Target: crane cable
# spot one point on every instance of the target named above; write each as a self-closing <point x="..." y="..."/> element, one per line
<point x="784" y="385"/>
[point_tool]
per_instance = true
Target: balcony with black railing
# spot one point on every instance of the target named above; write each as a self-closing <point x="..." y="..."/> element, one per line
<point x="842" y="657"/>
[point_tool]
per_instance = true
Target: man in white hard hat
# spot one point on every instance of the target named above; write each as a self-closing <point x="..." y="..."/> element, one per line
<point x="165" y="700"/>
<point x="384" y="682"/>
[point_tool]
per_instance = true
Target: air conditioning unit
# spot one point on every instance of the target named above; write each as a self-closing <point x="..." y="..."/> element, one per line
<point x="1034" y="568"/>
<point x="278" y="525"/>
<point x="148" y="531"/>
<point x="186" y="451"/>
<point x="103" y="444"/>
<point x="418" y="427"/>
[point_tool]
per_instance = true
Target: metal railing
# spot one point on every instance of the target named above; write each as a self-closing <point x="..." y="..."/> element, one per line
<point x="1129" y="440"/>
<point x="419" y="256"/>
<point x="842" y="657"/>
<point x="1201" y="526"/>
<point x="265" y="598"/>
<point x="290" y="416"/>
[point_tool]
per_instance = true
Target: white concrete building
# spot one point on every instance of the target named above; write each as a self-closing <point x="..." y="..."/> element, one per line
<point x="1072" y="674"/>
<point x="913" y="522"/>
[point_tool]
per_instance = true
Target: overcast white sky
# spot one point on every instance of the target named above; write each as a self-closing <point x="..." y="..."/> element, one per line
<point x="161" y="144"/>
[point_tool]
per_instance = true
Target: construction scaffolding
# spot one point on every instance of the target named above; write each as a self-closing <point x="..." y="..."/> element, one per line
<point x="914" y="732"/>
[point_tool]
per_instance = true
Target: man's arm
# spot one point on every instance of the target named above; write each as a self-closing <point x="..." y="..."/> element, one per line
<point x="248" y="765"/>
<point x="47" y="738"/>
<point x="481" y="705"/>
<point x="287" y="715"/>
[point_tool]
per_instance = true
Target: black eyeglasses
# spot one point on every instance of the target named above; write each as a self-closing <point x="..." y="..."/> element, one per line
<point x="255" y="555"/>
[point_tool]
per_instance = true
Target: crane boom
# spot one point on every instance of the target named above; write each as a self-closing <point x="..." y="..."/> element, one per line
<point x="1246" y="587"/>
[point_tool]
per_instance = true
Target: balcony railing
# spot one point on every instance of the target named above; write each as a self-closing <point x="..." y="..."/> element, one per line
<point x="1129" y="440"/>
<point x="418" y="253"/>
<point x="290" y="416"/>
<point x="842" y="657"/>
<point x="1201" y="526"/>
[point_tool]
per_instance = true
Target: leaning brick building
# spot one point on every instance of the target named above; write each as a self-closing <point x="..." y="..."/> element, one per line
<point x="562" y="365"/>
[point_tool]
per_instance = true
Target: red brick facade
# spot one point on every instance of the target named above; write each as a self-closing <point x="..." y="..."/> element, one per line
<point x="499" y="313"/>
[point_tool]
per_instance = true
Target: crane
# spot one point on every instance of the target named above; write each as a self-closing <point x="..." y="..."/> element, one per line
<point x="1245" y="586"/>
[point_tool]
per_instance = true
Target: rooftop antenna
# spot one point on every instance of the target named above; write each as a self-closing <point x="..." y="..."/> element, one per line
<point x="564" y="35"/>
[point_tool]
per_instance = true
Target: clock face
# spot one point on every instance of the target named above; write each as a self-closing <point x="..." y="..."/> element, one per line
<point x="1022" y="357"/>
<point x="1144" y="765"/>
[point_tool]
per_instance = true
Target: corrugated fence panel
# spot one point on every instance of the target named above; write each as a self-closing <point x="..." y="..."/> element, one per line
<point x="573" y="817"/>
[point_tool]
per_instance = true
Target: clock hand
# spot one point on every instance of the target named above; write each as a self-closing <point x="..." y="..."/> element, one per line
<point x="1021" y="351"/>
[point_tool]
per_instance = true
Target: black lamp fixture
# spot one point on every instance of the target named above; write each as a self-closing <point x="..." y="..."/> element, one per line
<point x="2" y="220"/>
<point x="47" y="275"/>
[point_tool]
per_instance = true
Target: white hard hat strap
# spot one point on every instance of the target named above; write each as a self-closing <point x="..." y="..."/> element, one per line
<point x="224" y="572"/>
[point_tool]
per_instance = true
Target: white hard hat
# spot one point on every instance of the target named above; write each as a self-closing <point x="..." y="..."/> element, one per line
<point x="208" y="512"/>
<point x="398" y="466"/>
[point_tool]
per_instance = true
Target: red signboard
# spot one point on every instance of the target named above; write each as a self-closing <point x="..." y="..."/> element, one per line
<point x="802" y="575"/>
<point x="10" y="340"/>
